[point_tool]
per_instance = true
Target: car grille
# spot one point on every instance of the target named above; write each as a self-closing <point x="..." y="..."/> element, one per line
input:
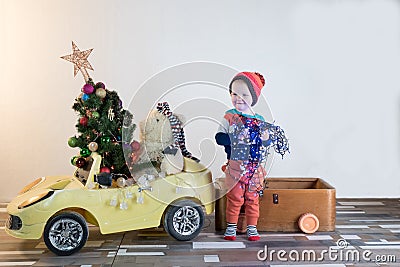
<point x="14" y="223"/>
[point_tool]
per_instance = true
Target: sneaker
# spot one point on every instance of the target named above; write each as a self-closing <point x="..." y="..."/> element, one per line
<point x="230" y="232"/>
<point x="252" y="234"/>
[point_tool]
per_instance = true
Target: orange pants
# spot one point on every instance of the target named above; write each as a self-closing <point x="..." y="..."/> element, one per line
<point x="242" y="192"/>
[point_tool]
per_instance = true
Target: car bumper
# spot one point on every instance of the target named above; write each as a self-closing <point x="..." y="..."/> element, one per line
<point x="26" y="231"/>
<point x="22" y="225"/>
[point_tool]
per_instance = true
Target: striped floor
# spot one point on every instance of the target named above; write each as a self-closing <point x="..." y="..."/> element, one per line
<point x="367" y="234"/>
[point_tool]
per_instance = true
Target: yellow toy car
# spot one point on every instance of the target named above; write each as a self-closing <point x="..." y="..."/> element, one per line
<point x="60" y="207"/>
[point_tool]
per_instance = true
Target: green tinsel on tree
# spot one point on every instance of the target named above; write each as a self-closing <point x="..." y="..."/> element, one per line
<point x="102" y="122"/>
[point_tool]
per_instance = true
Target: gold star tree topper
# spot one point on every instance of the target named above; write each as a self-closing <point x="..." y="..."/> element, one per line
<point x="79" y="59"/>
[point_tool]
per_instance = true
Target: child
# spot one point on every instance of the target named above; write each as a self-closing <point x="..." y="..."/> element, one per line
<point x="246" y="138"/>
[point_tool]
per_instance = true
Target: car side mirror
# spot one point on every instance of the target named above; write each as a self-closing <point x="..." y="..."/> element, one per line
<point x="103" y="178"/>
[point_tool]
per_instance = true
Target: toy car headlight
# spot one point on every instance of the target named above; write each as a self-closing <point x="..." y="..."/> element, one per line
<point x="35" y="199"/>
<point x="31" y="185"/>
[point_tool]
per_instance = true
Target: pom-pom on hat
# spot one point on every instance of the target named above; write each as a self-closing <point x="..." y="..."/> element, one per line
<point x="254" y="80"/>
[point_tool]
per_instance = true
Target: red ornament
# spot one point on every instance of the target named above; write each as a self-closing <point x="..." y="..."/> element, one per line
<point x="100" y="85"/>
<point x="135" y="146"/>
<point x="83" y="121"/>
<point x="80" y="162"/>
<point x="105" y="169"/>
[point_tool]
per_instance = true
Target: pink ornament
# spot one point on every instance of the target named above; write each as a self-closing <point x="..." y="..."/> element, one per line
<point x="105" y="169"/>
<point x="88" y="89"/>
<point x="135" y="146"/>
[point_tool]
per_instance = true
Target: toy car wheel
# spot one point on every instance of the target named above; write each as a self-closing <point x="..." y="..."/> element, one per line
<point x="184" y="220"/>
<point x="66" y="233"/>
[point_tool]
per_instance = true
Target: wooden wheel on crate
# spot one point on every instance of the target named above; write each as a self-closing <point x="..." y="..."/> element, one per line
<point x="308" y="223"/>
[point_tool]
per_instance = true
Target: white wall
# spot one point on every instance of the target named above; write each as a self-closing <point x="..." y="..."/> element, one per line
<point x="331" y="66"/>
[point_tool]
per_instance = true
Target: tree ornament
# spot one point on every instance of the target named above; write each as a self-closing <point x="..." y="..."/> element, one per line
<point x="121" y="182"/>
<point x="134" y="157"/>
<point x="93" y="146"/>
<point x="119" y="138"/>
<point x="111" y="114"/>
<point x="83" y="121"/>
<point x="101" y="93"/>
<point x="88" y="89"/>
<point x="73" y="160"/>
<point x="105" y="139"/>
<point x="85" y="97"/>
<point x="105" y="169"/>
<point x="127" y="148"/>
<point x="88" y="113"/>
<point x="95" y="114"/>
<point x="79" y="59"/>
<point x="73" y="141"/>
<point x="85" y="152"/>
<point x="100" y="85"/>
<point x="135" y="146"/>
<point x="80" y="162"/>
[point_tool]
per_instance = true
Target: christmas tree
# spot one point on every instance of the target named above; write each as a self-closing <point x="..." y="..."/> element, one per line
<point x="102" y="121"/>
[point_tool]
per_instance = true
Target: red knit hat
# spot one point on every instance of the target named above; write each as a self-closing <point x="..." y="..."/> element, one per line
<point x="254" y="80"/>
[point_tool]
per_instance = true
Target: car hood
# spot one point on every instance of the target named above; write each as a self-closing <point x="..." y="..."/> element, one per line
<point x="52" y="183"/>
<point x="42" y="185"/>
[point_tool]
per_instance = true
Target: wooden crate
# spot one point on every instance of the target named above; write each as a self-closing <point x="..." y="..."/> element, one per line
<point x="284" y="201"/>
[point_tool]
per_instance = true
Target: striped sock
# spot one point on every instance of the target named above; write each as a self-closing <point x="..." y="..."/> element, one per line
<point x="230" y="232"/>
<point x="252" y="233"/>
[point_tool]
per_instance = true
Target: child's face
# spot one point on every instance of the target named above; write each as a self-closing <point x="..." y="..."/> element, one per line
<point x="240" y="96"/>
